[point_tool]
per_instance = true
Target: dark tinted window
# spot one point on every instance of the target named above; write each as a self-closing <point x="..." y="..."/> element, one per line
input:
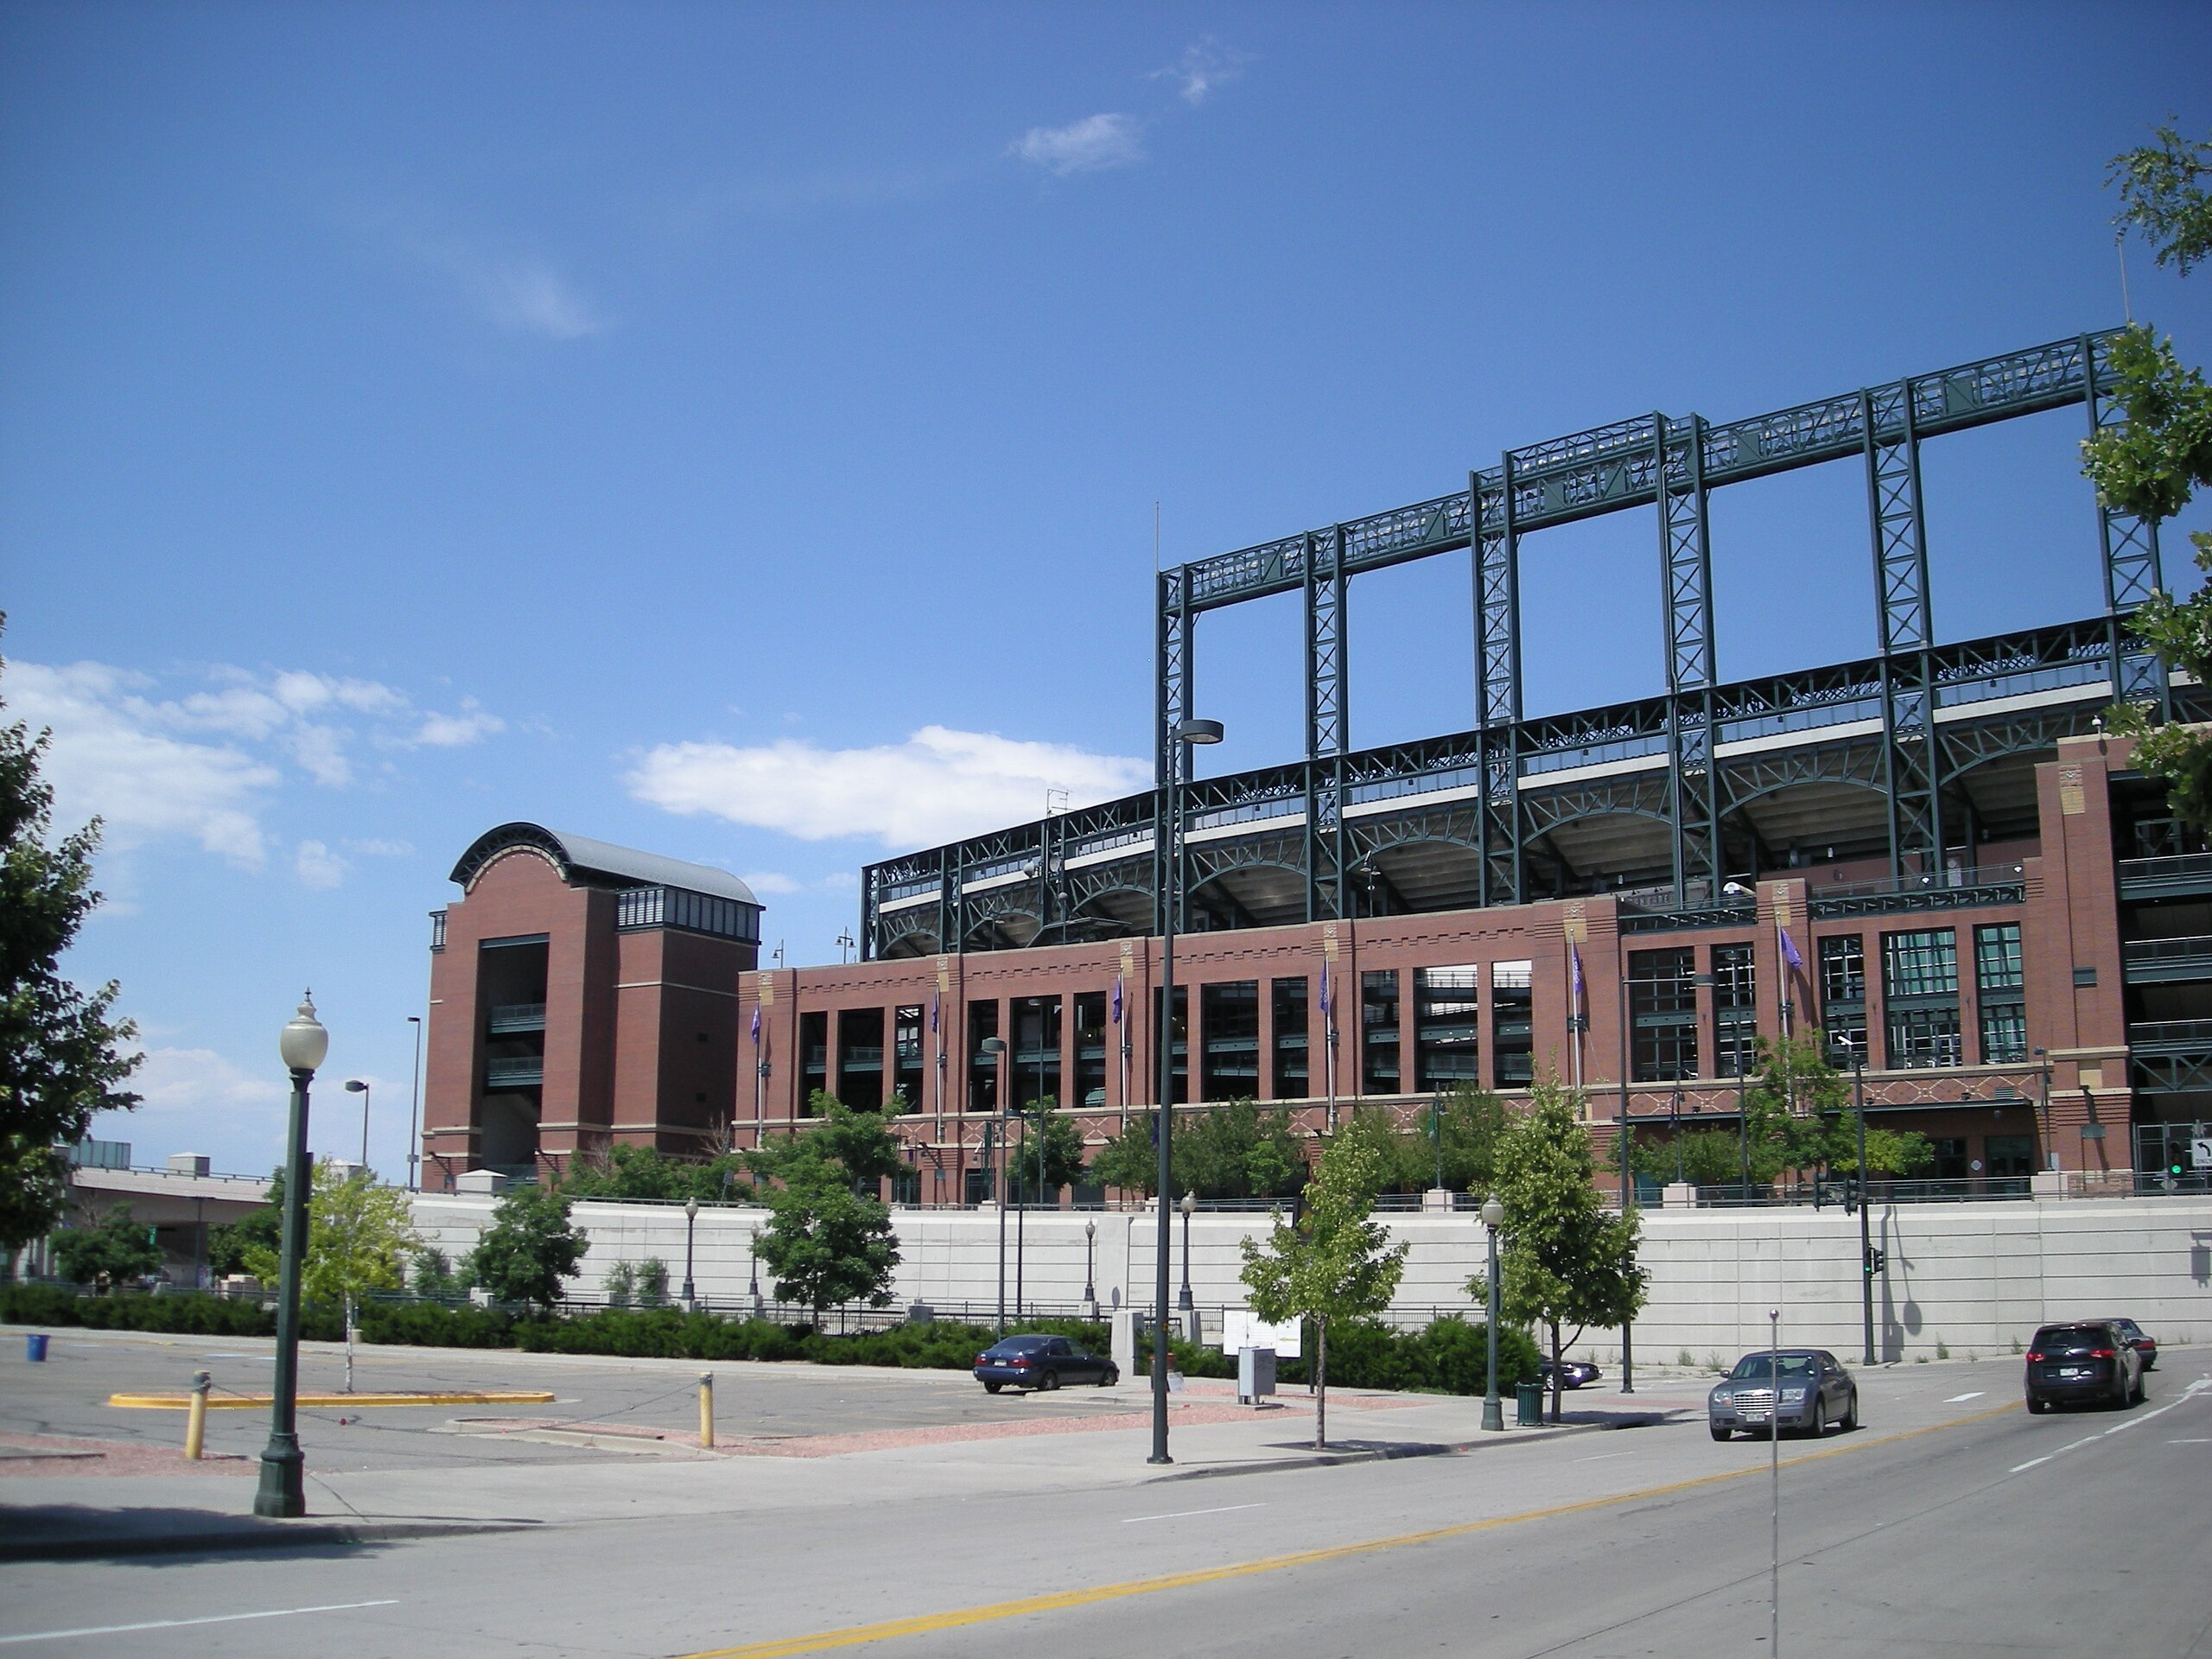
<point x="1013" y="1345"/>
<point x="2071" y="1339"/>
<point x="1757" y="1367"/>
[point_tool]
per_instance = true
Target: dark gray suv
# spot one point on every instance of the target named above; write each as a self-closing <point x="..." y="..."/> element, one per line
<point x="2090" y="1359"/>
<point x="1814" y="1390"/>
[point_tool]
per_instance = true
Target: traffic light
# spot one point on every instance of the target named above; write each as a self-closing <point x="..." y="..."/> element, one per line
<point x="1876" y="1259"/>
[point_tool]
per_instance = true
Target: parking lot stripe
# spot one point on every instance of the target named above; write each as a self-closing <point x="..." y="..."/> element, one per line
<point x="179" y="1623"/>
<point x="1184" y="1515"/>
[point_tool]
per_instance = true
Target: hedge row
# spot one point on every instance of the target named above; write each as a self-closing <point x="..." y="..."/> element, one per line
<point x="1449" y="1356"/>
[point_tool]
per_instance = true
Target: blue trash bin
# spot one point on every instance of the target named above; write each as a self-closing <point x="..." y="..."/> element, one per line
<point x="34" y="1347"/>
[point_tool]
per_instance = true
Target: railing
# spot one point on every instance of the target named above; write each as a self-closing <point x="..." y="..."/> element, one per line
<point x="1979" y="875"/>
<point x="524" y="1072"/>
<point x="2169" y="1033"/>
<point x="2173" y="959"/>
<point x="2189" y="871"/>
<point x="512" y="1017"/>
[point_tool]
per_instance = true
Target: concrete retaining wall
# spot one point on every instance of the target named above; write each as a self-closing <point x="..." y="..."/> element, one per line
<point x="1976" y="1278"/>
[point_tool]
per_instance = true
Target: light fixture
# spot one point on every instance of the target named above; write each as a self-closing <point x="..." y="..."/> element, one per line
<point x="304" y="1042"/>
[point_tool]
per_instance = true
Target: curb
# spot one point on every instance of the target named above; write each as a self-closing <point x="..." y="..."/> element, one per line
<point x="1409" y="1449"/>
<point x="271" y="1534"/>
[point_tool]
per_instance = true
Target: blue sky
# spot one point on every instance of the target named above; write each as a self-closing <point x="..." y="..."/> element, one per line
<point x="736" y="432"/>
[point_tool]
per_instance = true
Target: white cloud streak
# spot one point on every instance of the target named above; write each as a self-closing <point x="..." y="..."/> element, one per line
<point x="936" y="786"/>
<point x="317" y="867"/>
<point x="1091" y="145"/>
<point x="1203" y="68"/>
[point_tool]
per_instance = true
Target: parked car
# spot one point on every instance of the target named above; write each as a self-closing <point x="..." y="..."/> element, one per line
<point x="2088" y="1359"/>
<point x="1576" y="1373"/>
<point x="2139" y="1339"/>
<point x="1041" y="1363"/>
<point x="1814" y="1388"/>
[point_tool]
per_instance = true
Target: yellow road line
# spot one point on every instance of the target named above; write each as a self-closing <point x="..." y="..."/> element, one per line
<point x="244" y="1401"/>
<point x="856" y="1635"/>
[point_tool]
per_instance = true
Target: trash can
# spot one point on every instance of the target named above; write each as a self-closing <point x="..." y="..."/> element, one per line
<point x="34" y="1347"/>
<point x="1531" y="1396"/>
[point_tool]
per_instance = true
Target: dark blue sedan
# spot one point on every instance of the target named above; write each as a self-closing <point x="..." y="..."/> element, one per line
<point x="1041" y="1363"/>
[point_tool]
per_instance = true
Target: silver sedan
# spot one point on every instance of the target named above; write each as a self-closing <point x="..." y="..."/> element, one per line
<point x="1798" y="1388"/>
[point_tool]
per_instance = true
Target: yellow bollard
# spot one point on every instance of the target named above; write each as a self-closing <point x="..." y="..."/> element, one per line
<point x="195" y="1422"/>
<point x="707" y="1410"/>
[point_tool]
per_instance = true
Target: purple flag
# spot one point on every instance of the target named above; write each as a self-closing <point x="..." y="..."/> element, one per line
<point x="1117" y="999"/>
<point x="1575" y="956"/>
<point x="1790" y="949"/>
<point x="756" y="1025"/>
<point x="933" y="999"/>
<point x="1324" y="985"/>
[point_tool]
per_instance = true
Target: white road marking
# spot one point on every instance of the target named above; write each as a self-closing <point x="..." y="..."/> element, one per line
<point x="1184" y="1515"/>
<point x="2199" y="1441"/>
<point x="179" y="1624"/>
<point x="1960" y="1399"/>
<point x="1602" y="1456"/>
<point x="2031" y="1463"/>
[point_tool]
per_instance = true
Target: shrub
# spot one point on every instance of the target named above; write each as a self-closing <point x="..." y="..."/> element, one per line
<point x="435" y="1324"/>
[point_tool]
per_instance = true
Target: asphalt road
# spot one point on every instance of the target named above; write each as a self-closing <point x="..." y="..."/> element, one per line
<point x="1988" y="1532"/>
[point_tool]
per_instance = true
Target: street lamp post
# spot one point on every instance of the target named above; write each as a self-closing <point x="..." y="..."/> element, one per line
<point x="414" y="1110"/>
<point x="1865" y="1234"/>
<point x="1493" y="1219"/>
<point x="691" y="1222"/>
<point x="282" y="1492"/>
<point x="996" y="1048"/>
<point x="1090" y="1282"/>
<point x="357" y="1086"/>
<point x="1183" y="1302"/>
<point x="1180" y="737"/>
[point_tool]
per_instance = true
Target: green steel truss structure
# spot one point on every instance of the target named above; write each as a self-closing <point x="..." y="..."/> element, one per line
<point x="1918" y="753"/>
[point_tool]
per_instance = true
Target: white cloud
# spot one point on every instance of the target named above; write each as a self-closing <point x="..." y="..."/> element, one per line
<point x="124" y="753"/>
<point x="530" y="297"/>
<point x="377" y="847"/>
<point x="196" y="1081"/>
<point x="1091" y="145"/>
<point x="1202" y="68"/>
<point x="107" y="760"/>
<point x="769" y="881"/>
<point x="512" y="288"/>
<point x="936" y="786"/>
<point x="473" y="724"/>
<point x="318" y="866"/>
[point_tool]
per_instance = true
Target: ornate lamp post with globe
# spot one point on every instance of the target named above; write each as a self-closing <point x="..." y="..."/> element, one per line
<point x="282" y="1492"/>
<point x="1493" y="1219"/>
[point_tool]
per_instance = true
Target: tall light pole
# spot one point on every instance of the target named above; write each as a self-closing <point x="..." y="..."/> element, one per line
<point x="282" y="1492"/>
<point x="1493" y="1219"/>
<point x="996" y="1048"/>
<point x="1865" y="1234"/>
<point x="690" y="1221"/>
<point x="414" y="1110"/>
<point x="356" y="1086"/>
<point x="1180" y="737"/>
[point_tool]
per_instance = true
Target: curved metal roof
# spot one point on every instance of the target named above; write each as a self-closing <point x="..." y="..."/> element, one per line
<point x="599" y="862"/>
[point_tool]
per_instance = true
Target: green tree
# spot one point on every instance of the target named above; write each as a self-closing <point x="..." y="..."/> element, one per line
<point x="1130" y="1161"/>
<point x="826" y="1243"/>
<point x="652" y="1283"/>
<point x="117" y="1249"/>
<point x="529" y="1248"/>
<point x="433" y="1274"/>
<point x="858" y="1142"/>
<point x="1235" y="1150"/>
<point x="360" y="1235"/>
<point x="1567" y="1261"/>
<point x="1052" y="1140"/>
<point x="2152" y="464"/>
<point x="60" y="1059"/>
<point x="1401" y="1162"/>
<point x="1472" y="1123"/>
<point x="1705" y="1157"/>
<point x="1889" y="1152"/>
<point x="2162" y="195"/>
<point x="263" y="1228"/>
<point x="1791" y="1110"/>
<point x="1332" y="1265"/>
<point x="628" y="1171"/>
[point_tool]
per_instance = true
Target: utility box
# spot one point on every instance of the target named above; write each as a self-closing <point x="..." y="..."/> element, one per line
<point x="1127" y="1323"/>
<point x="187" y="1163"/>
<point x="1255" y="1375"/>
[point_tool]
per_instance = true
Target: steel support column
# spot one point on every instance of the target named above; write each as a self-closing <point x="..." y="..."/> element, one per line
<point x="1328" y="725"/>
<point x="1685" y="554"/>
<point x="1905" y="627"/>
<point x="1172" y="706"/>
<point x="1497" y="557"/>
<point x="2130" y="550"/>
